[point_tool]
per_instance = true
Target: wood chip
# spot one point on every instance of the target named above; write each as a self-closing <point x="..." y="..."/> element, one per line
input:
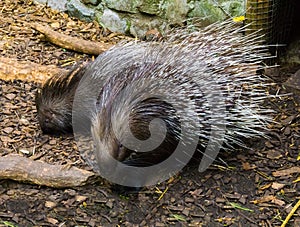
<point x="277" y="186"/>
<point x="286" y="172"/>
<point x="19" y="168"/>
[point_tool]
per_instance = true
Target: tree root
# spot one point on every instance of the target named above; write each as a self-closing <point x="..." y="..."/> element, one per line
<point x="71" y="43"/>
<point x="19" y="168"/>
<point x="13" y="69"/>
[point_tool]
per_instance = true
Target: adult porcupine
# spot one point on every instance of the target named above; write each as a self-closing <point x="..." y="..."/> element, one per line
<point x="164" y="98"/>
<point x="55" y="99"/>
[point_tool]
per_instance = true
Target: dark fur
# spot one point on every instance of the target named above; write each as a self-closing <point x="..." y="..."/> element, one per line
<point x="55" y="99"/>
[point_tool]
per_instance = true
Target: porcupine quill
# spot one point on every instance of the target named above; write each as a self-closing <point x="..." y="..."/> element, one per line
<point x="207" y="76"/>
<point x="190" y="68"/>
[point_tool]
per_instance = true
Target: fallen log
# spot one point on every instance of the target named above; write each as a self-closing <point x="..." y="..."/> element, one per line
<point x="19" y="168"/>
<point x="71" y="43"/>
<point x="13" y="69"/>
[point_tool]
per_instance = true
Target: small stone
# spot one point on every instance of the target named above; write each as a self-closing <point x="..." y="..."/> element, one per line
<point x="243" y="199"/>
<point x="113" y="22"/>
<point x="287" y="131"/>
<point x="78" y="9"/>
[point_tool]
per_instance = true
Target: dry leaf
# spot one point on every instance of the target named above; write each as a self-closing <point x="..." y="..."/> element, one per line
<point x="80" y="198"/>
<point x="247" y="166"/>
<point x="50" y="204"/>
<point x="55" y="25"/>
<point x="274" y="154"/>
<point x="265" y="187"/>
<point x="278" y="202"/>
<point x="286" y="172"/>
<point x="52" y="221"/>
<point x="277" y="186"/>
<point x="269" y="198"/>
<point x="8" y="130"/>
<point x="264" y="199"/>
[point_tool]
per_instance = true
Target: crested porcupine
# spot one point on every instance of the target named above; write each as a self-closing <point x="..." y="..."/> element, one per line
<point x="162" y="100"/>
<point x="55" y="99"/>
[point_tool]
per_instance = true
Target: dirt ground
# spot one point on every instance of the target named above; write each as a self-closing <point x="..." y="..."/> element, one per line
<point x="249" y="190"/>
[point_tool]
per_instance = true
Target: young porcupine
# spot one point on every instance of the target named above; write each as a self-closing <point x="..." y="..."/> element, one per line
<point x="161" y="97"/>
<point x="54" y="101"/>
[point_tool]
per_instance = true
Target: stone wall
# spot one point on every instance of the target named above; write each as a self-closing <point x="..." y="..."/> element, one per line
<point x="136" y="17"/>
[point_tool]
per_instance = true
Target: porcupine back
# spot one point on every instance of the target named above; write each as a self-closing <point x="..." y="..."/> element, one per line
<point x="209" y="74"/>
<point x="55" y="99"/>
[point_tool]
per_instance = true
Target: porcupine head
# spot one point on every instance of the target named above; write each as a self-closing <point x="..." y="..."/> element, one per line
<point x="55" y="99"/>
<point x="164" y="99"/>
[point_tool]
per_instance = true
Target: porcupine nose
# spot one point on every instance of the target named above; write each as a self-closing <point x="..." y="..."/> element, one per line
<point x="47" y="125"/>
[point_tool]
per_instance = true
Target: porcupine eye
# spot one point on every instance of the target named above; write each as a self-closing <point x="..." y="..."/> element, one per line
<point x="122" y="153"/>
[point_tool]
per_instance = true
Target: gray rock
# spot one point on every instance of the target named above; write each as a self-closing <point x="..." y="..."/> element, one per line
<point x="174" y="11"/>
<point x="93" y="2"/>
<point x="113" y="22"/>
<point x="59" y="5"/>
<point x="129" y="6"/>
<point x="41" y="1"/>
<point x="150" y="7"/>
<point x="234" y="8"/>
<point x="207" y="10"/>
<point x="81" y="11"/>
<point x="138" y="16"/>
<point x="140" y="25"/>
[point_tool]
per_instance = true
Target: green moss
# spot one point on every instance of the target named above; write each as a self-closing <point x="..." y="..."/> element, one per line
<point x="174" y="10"/>
<point x="150" y="6"/>
<point x="128" y="26"/>
<point x="207" y="9"/>
<point x="129" y="6"/>
<point x="234" y="8"/>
